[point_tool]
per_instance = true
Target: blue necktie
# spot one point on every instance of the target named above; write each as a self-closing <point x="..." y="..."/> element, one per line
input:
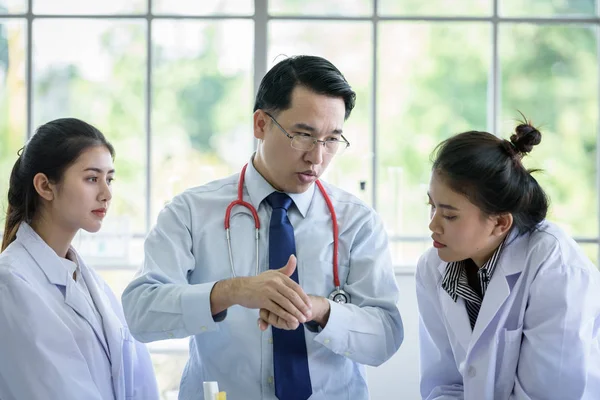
<point x="290" y="362"/>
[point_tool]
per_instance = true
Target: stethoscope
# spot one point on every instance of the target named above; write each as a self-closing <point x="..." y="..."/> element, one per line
<point x="338" y="295"/>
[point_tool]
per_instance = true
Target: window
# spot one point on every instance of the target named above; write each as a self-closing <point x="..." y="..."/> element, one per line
<point x="13" y="100"/>
<point x="171" y="84"/>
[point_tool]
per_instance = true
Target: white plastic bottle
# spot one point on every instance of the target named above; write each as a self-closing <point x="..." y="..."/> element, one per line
<point x="211" y="390"/>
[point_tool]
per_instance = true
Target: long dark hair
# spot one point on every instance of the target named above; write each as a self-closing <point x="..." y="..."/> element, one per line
<point x="489" y="172"/>
<point x="50" y="151"/>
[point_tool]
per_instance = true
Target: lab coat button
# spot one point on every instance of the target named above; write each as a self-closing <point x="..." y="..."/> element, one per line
<point x="203" y="329"/>
<point x="471" y="372"/>
<point x="270" y="340"/>
<point x="170" y="334"/>
<point x="326" y="341"/>
<point x="270" y="380"/>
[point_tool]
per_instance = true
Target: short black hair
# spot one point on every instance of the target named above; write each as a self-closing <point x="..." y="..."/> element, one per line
<point x="314" y="73"/>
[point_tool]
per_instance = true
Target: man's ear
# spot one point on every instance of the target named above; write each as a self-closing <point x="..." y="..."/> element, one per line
<point x="260" y="124"/>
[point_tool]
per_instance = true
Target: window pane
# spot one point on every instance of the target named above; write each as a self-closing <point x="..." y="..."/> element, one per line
<point x="545" y="8"/>
<point x="113" y="251"/>
<point x="322" y="39"/>
<point x="406" y="254"/>
<point x="550" y="74"/>
<point x="13" y="98"/>
<point x="117" y="280"/>
<point x="13" y="6"/>
<point x="88" y="6"/>
<point x="204" y="7"/>
<point x="202" y="103"/>
<point x="435" y="7"/>
<point x="318" y="7"/>
<point x="432" y="86"/>
<point x="98" y="75"/>
<point x="169" y="369"/>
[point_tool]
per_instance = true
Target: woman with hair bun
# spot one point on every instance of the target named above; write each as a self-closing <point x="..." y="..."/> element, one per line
<point x="509" y="304"/>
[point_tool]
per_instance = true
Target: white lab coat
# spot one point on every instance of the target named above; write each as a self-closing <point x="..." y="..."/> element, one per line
<point x="537" y="333"/>
<point x="45" y="332"/>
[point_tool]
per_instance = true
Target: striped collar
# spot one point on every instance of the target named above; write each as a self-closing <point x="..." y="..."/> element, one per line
<point x="455" y="278"/>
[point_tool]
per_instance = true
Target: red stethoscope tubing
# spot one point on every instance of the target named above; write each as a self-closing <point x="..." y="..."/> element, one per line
<point x="240" y="202"/>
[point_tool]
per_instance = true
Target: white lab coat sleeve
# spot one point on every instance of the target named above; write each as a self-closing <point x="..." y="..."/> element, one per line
<point x="559" y="351"/>
<point x="39" y="359"/>
<point x="440" y="378"/>
<point x="369" y="330"/>
<point x="160" y="303"/>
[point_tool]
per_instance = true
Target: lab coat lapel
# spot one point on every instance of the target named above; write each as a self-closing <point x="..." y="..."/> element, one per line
<point x="509" y="268"/>
<point x="75" y="299"/>
<point x="112" y="327"/>
<point x="46" y="259"/>
<point x="50" y="263"/>
<point x="456" y="314"/>
<point x="495" y="296"/>
<point x="56" y="272"/>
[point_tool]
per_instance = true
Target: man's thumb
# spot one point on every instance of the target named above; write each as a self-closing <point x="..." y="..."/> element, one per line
<point x="290" y="267"/>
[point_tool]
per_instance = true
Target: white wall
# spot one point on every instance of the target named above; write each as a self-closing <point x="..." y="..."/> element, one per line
<point x="398" y="378"/>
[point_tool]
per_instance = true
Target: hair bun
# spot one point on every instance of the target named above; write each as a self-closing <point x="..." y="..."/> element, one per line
<point x="525" y="137"/>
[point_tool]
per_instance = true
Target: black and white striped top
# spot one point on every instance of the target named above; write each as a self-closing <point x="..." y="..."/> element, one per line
<point x="456" y="283"/>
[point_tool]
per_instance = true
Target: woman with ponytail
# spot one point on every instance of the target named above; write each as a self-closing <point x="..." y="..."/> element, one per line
<point x="509" y="304"/>
<point x="62" y="331"/>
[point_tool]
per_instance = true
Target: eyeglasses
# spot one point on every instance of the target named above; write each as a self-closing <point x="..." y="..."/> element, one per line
<point x="305" y="142"/>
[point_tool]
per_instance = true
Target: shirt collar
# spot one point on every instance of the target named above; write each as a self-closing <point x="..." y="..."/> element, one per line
<point x="56" y="268"/>
<point x="69" y="265"/>
<point x="258" y="190"/>
<point x="492" y="262"/>
<point x="70" y="262"/>
<point x="455" y="278"/>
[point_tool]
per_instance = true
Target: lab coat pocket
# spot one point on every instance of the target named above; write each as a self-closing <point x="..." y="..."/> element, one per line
<point x="507" y="360"/>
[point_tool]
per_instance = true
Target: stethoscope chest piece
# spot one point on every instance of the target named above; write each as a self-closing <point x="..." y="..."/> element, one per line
<point x="339" y="296"/>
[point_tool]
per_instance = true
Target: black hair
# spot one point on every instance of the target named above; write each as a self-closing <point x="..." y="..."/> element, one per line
<point x="314" y="73"/>
<point x="488" y="170"/>
<point x="51" y="150"/>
